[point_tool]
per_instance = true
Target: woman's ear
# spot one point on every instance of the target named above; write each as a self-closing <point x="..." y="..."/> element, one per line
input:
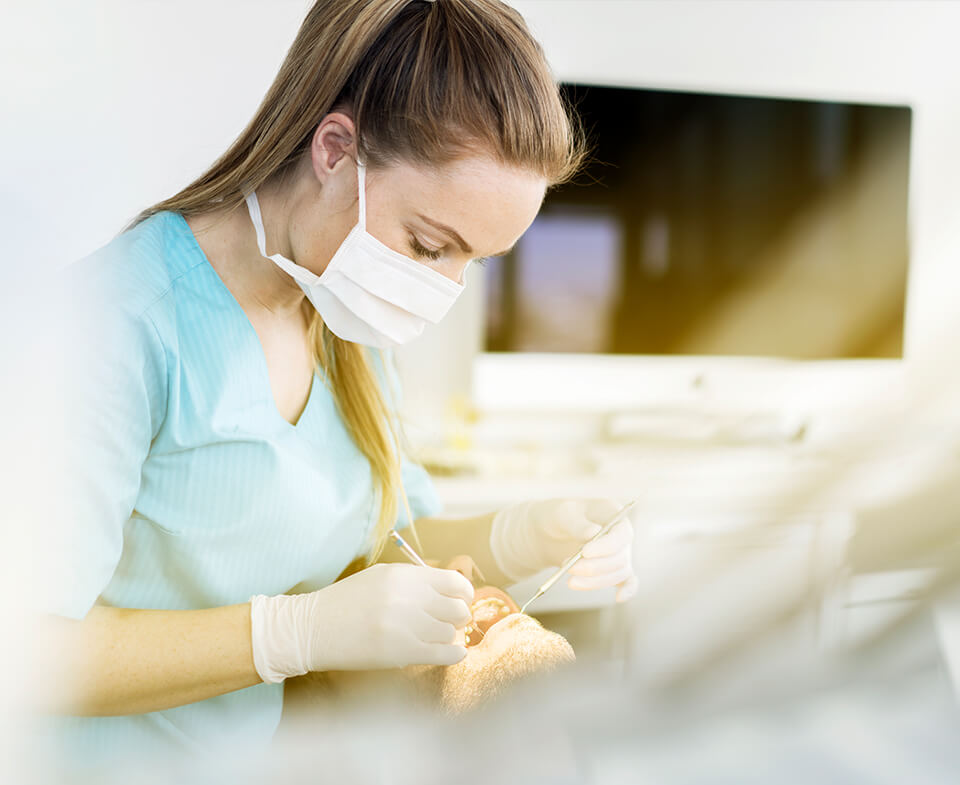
<point x="334" y="142"/>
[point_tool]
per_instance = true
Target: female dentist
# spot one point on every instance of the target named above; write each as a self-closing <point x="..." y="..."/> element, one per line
<point x="231" y="445"/>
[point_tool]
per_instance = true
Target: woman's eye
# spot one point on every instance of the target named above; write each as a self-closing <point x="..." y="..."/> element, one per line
<point x="422" y="252"/>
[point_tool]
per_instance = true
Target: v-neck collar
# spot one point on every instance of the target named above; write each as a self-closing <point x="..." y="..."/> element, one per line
<point x="235" y="306"/>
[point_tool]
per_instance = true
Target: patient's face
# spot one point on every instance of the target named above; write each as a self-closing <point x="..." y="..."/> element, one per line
<point x="503" y="645"/>
<point x="512" y="648"/>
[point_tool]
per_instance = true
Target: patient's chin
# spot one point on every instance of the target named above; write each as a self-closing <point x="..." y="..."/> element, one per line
<point x="513" y="647"/>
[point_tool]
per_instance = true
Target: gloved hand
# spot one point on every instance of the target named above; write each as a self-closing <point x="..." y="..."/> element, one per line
<point x="386" y="616"/>
<point x="525" y="538"/>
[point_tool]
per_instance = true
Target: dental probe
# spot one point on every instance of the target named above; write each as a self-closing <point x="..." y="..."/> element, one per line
<point x="565" y="567"/>
<point x="408" y="551"/>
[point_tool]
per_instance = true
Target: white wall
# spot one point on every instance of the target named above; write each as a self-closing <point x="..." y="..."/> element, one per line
<point x="114" y="105"/>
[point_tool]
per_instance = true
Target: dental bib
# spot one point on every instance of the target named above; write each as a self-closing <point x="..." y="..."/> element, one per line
<point x="368" y="293"/>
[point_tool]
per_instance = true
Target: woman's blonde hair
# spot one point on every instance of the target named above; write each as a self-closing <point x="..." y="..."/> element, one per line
<point x="426" y="81"/>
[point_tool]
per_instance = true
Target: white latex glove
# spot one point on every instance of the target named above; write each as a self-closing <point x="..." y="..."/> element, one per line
<point x="525" y="538"/>
<point x="386" y="616"/>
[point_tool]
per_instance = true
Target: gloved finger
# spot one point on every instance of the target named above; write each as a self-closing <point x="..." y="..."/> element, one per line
<point x="600" y="581"/>
<point x="448" y="609"/>
<point x="628" y="589"/>
<point x="614" y="541"/>
<point x="603" y="565"/>
<point x="601" y="510"/>
<point x="430" y="630"/>
<point x="582" y="519"/>
<point x="568" y="521"/>
<point x="439" y="654"/>
<point x="451" y="583"/>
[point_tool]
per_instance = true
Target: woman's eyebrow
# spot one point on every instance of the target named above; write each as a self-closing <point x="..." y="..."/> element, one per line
<point x="449" y="230"/>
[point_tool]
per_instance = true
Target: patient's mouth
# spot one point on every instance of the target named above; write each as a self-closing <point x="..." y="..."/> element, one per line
<point x="490" y="605"/>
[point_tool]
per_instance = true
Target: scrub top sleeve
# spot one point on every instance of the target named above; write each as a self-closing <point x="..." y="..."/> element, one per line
<point x="114" y="397"/>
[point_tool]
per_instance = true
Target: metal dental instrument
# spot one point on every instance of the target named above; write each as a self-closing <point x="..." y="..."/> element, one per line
<point x="401" y="543"/>
<point x="407" y="550"/>
<point x="565" y="567"/>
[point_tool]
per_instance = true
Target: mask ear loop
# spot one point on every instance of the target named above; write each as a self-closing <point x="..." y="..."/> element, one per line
<point x="361" y="191"/>
<point x="253" y="205"/>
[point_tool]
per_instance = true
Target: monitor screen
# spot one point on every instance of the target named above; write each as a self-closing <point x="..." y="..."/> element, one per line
<point x="708" y="224"/>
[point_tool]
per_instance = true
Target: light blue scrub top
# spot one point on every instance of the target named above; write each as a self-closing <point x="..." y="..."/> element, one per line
<point x="186" y="488"/>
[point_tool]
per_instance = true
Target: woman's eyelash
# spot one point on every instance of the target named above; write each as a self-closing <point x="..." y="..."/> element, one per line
<point x="419" y="250"/>
<point x="426" y="253"/>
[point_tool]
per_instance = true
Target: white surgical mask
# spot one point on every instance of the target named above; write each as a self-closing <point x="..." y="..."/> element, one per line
<point x="368" y="293"/>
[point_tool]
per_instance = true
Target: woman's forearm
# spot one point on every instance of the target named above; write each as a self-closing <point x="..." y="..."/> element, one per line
<point x="126" y="661"/>
<point x="444" y="538"/>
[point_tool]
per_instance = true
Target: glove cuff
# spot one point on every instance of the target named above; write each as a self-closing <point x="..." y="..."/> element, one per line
<point x="511" y="542"/>
<point x="275" y="637"/>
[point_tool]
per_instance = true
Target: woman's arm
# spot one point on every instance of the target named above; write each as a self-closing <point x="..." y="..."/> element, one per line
<point x="443" y="538"/>
<point x="125" y="661"/>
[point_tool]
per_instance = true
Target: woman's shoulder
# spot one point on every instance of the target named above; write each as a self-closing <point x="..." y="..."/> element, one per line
<point x="137" y="268"/>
